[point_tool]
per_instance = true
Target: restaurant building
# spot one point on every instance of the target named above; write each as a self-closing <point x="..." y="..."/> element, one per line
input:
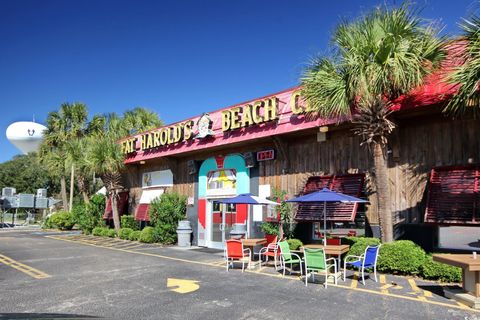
<point x="272" y="142"/>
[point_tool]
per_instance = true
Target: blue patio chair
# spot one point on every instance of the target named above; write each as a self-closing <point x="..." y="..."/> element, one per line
<point x="365" y="261"/>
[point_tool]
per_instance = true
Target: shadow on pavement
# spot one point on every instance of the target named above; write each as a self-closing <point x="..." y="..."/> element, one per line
<point x="434" y="289"/>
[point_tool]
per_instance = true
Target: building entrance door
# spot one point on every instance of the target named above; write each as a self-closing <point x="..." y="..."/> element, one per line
<point x="222" y="217"/>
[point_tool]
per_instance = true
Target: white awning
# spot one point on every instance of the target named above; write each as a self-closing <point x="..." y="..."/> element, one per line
<point x="149" y="194"/>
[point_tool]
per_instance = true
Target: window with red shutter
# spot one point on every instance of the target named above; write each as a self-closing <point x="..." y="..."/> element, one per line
<point x="350" y="184"/>
<point x="454" y="196"/>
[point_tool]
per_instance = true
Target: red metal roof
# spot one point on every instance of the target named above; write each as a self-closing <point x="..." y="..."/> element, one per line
<point x="434" y="91"/>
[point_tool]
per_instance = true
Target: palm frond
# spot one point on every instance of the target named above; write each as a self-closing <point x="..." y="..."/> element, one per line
<point x="332" y="99"/>
<point x="467" y="75"/>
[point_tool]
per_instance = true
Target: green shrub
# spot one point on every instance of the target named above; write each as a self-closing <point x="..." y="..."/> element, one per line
<point x="294" y="244"/>
<point x="148" y="235"/>
<point x="135" y="235"/>
<point x="124" y="233"/>
<point x="97" y="231"/>
<point x="88" y="216"/>
<point x="47" y="224"/>
<point x="165" y="212"/>
<point x="62" y="220"/>
<point x="111" y="233"/>
<point x="105" y="232"/>
<point x="128" y="221"/>
<point x="438" y="271"/>
<point x="403" y="256"/>
<point x="359" y="244"/>
<point x="269" y="228"/>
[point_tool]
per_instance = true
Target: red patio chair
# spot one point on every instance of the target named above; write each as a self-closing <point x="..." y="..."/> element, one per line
<point x="352" y="233"/>
<point x="270" y="250"/>
<point x="234" y="251"/>
<point x="334" y="241"/>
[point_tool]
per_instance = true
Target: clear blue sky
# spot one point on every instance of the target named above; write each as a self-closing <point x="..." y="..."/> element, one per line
<point x="178" y="58"/>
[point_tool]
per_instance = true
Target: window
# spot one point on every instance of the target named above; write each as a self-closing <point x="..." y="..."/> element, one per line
<point x="222" y="182"/>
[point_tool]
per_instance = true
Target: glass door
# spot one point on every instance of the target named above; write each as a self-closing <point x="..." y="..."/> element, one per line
<point x="230" y="218"/>
<point x="223" y="216"/>
<point x="216" y="226"/>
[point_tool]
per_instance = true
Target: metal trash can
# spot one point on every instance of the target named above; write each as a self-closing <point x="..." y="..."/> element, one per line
<point x="238" y="231"/>
<point x="184" y="233"/>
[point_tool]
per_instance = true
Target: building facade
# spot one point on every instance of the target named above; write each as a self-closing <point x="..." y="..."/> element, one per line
<point x="273" y="143"/>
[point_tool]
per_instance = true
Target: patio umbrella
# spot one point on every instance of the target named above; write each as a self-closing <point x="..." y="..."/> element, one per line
<point x="248" y="198"/>
<point x="326" y="195"/>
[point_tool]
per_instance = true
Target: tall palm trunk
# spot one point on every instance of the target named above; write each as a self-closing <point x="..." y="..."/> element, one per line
<point x="113" y="184"/>
<point x="116" y="216"/>
<point x="82" y="185"/>
<point x="63" y="191"/>
<point x="383" y="195"/>
<point x="72" y="179"/>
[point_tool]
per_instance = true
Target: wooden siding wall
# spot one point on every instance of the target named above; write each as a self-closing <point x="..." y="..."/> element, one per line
<point x="417" y="145"/>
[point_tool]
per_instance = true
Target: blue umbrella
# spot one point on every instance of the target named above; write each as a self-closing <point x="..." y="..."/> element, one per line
<point x="326" y="195"/>
<point x="248" y="198"/>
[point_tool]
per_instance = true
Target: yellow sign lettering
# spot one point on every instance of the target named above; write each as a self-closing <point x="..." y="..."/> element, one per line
<point x="270" y="109"/>
<point x="256" y="112"/>
<point x="235" y="119"/>
<point x="156" y="139"/>
<point x="295" y="103"/>
<point x="247" y="115"/>
<point x="226" y="120"/>
<point x="187" y="130"/>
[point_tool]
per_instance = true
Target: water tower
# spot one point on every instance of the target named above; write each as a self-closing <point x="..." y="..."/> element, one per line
<point x="26" y="135"/>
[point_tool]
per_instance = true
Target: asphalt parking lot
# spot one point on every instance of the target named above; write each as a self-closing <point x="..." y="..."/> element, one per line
<point x="65" y="275"/>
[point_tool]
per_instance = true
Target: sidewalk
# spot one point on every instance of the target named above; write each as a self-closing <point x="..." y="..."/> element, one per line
<point x="409" y="288"/>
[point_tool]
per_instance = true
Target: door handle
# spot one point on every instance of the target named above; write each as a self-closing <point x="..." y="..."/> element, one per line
<point x="221" y="226"/>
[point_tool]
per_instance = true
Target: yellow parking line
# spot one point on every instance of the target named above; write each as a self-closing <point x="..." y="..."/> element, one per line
<point x="422" y="294"/>
<point x="383" y="281"/>
<point x="354" y="283"/>
<point x="32" y="272"/>
<point x="355" y="276"/>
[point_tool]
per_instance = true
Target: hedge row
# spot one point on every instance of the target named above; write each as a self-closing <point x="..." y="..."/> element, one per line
<point x="406" y="258"/>
<point x="147" y="235"/>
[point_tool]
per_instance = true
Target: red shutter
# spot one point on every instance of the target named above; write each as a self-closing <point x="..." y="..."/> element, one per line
<point x="454" y="195"/>
<point x="141" y="214"/>
<point x="349" y="184"/>
<point x="122" y="205"/>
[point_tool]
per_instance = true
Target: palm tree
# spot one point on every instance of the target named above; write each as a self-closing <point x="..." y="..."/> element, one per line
<point x="375" y="59"/>
<point x="54" y="162"/>
<point x="76" y="159"/>
<point x="468" y="74"/>
<point x="105" y="157"/>
<point x="63" y="126"/>
<point x="140" y="119"/>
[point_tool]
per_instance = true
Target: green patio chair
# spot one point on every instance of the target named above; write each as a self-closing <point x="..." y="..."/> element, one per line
<point x="315" y="261"/>
<point x="286" y="256"/>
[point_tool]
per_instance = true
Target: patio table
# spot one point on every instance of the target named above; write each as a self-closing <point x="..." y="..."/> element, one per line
<point x="251" y="243"/>
<point x="470" y="277"/>
<point x="333" y="250"/>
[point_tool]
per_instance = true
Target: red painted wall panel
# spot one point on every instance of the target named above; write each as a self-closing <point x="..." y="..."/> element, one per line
<point x="202" y="208"/>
